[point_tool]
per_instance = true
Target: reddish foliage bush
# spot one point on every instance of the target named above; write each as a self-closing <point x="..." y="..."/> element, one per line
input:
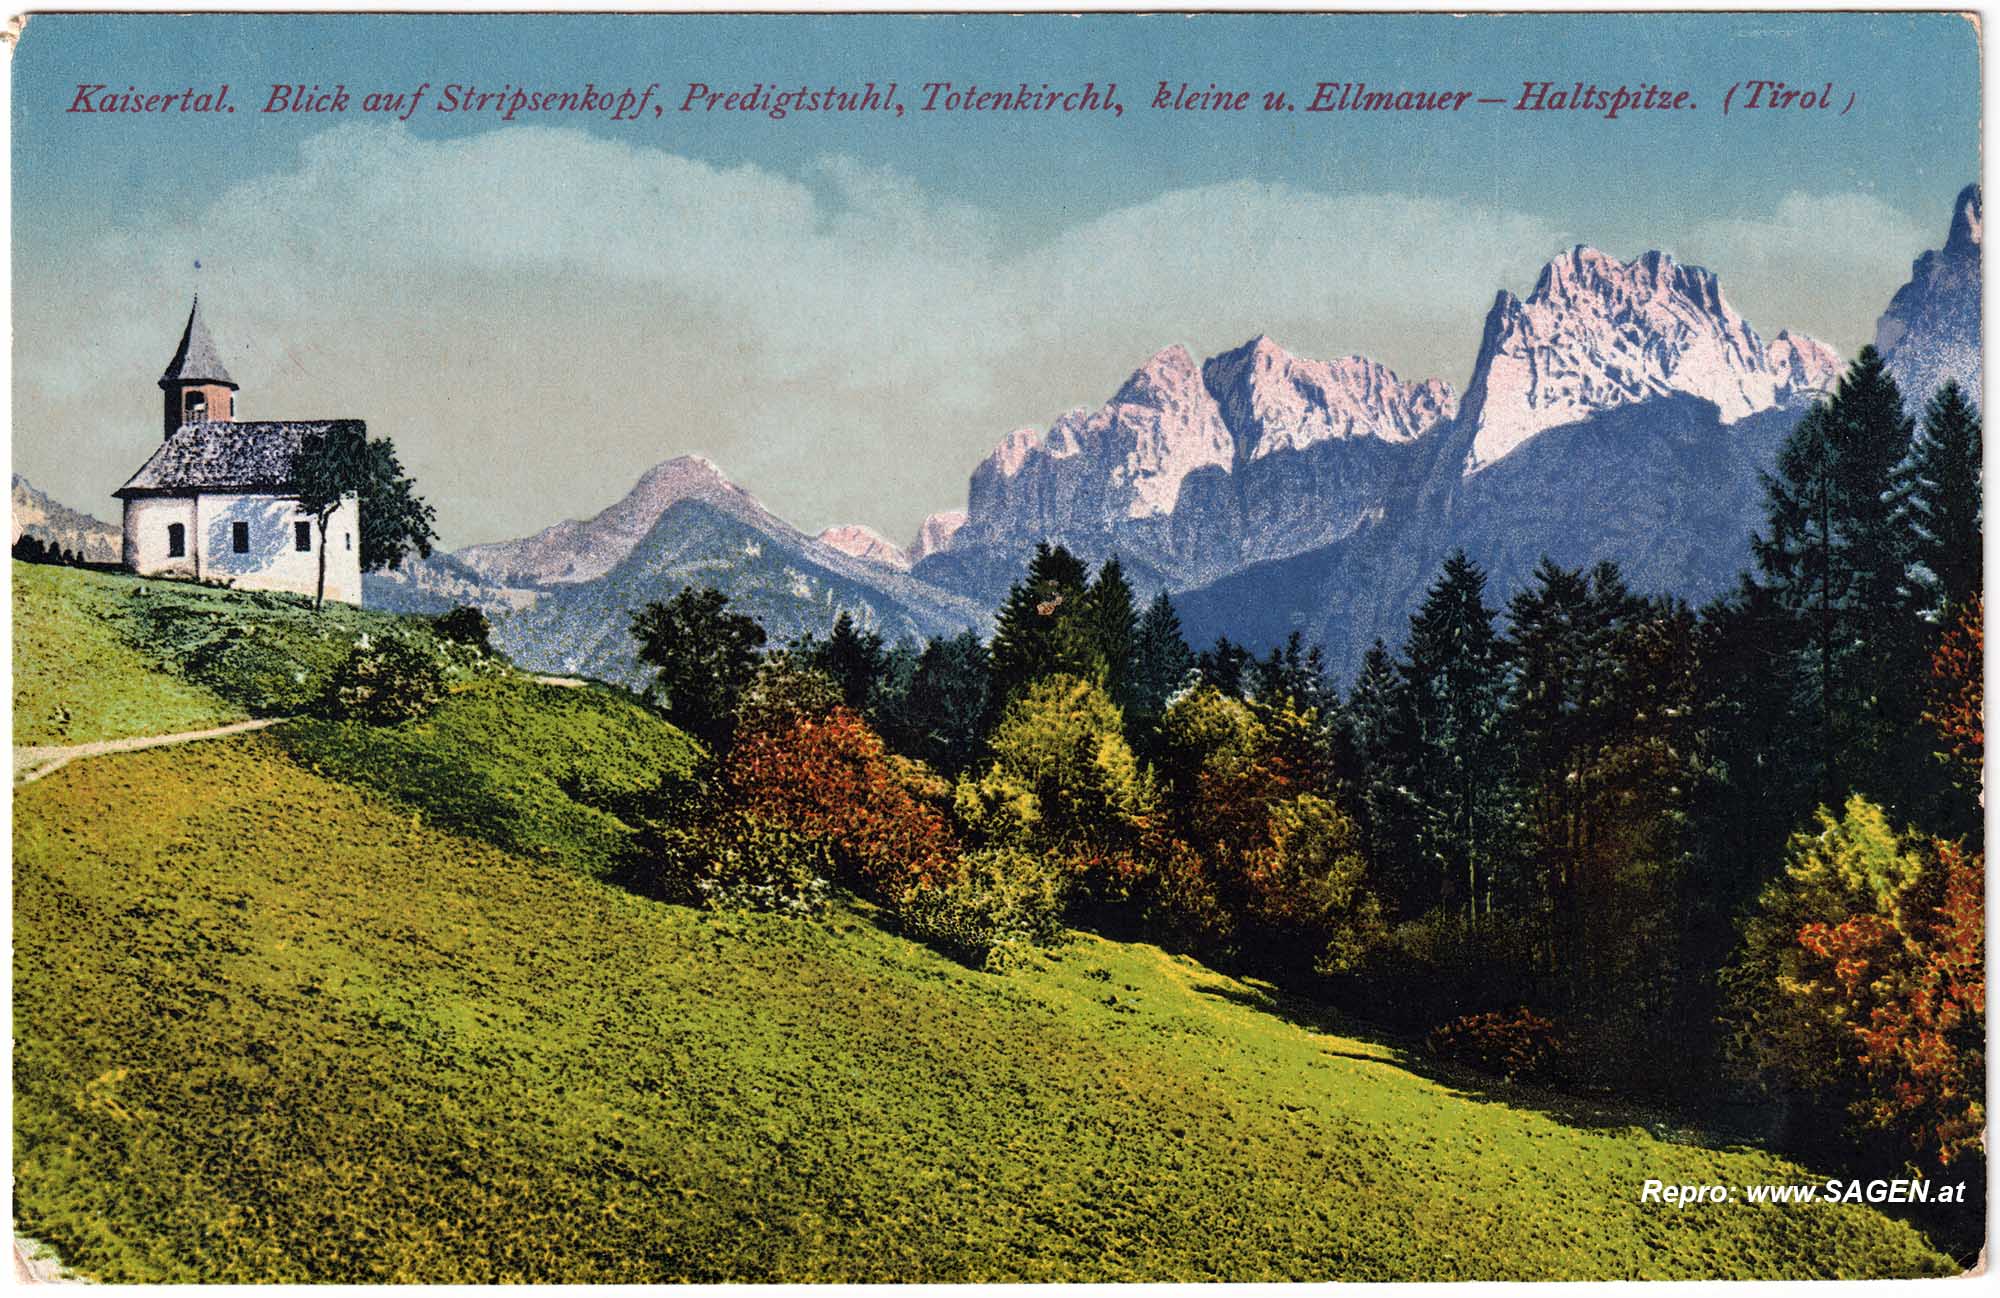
<point x="1508" y="1043"/>
<point x="1917" y="1004"/>
<point x="1958" y="700"/>
<point x="831" y="778"/>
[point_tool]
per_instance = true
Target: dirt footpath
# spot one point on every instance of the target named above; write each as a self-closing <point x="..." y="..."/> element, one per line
<point x="32" y="762"/>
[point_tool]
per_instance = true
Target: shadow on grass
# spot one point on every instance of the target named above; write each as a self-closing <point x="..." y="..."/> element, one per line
<point x="1406" y="1050"/>
<point x="1797" y="1132"/>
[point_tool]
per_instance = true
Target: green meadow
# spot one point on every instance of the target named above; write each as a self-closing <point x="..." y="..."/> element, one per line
<point x="104" y="655"/>
<point x="78" y="677"/>
<point x="329" y="1004"/>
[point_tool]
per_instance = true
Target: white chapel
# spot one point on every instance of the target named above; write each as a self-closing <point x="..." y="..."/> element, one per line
<point x="213" y="502"/>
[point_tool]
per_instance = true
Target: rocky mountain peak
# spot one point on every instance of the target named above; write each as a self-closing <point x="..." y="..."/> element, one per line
<point x="1274" y="401"/>
<point x="936" y="532"/>
<point x="1598" y="333"/>
<point x="1126" y="459"/>
<point x="865" y="543"/>
<point x="1930" y="332"/>
<point x="1014" y="450"/>
<point x="583" y="550"/>
<point x="1808" y="366"/>
<point x="1968" y="225"/>
<point x="1164" y="378"/>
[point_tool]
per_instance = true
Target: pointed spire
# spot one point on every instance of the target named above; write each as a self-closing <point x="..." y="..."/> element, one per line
<point x="1967" y="224"/>
<point x="196" y="360"/>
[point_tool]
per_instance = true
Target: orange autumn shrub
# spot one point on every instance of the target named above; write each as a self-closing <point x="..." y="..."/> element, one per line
<point x="831" y="778"/>
<point x="1913" y="987"/>
<point x="1506" y="1043"/>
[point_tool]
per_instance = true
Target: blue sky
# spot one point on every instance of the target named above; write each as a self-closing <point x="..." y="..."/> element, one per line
<point x="847" y="312"/>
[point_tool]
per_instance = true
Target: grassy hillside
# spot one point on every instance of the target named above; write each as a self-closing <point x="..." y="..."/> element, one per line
<point x="332" y="1002"/>
<point x="524" y="765"/>
<point x="274" y="1027"/>
<point x="100" y="655"/>
<point x="530" y="767"/>
<point x="78" y="678"/>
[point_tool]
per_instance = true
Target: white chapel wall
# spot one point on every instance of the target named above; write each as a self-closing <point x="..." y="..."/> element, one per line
<point x="146" y="547"/>
<point x="272" y="559"/>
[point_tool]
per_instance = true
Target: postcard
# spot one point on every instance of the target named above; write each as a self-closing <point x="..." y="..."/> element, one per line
<point x="949" y="647"/>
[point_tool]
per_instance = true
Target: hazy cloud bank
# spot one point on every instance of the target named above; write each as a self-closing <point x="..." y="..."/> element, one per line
<point x="537" y="315"/>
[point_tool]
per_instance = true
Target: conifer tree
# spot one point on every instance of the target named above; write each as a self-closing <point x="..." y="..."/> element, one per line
<point x="1293" y="674"/>
<point x="1113" y="628"/>
<point x="1759" y="777"/>
<point x="1798" y="555"/>
<point x="1222" y="665"/>
<point x="1885" y="700"/>
<point x="854" y="658"/>
<point x="1041" y="629"/>
<point x="1369" y="766"/>
<point x="1943" y="504"/>
<point x="1161" y="661"/>
<point x="943" y="716"/>
<point x="1836" y="556"/>
<point x="1601" y="718"/>
<point x="1453" y="681"/>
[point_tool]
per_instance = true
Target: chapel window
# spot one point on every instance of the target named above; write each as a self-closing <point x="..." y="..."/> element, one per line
<point x="239" y="537"/>
<point x="302" y="536"/>
<point x="176" y="541"/>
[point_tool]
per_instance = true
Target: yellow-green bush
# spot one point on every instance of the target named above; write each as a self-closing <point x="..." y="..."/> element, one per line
<point x="1005" y="899"/>
<point x="732" y="860"/>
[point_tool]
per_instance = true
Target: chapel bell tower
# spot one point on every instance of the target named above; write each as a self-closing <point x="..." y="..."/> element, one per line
<point x="198" y="389"/>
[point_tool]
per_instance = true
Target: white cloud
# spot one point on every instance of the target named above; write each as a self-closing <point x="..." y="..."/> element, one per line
<point x="1819" y="264"/>
<point x="537" y="315"/>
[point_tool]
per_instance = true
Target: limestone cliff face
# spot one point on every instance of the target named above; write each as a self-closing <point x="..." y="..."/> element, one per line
<point x="1094" y="470"/>
<point x="1620" y="410"/>
<point x="1930" y="332"/>
<point x="1190" y="471"/>
<point x="1597" y="334"/>
<point x="936" y="532"/>
<point x="861" y="542"/>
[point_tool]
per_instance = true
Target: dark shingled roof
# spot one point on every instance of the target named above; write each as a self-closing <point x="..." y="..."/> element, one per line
<point x="197" y="360"/>
<point x="245" y="455"/>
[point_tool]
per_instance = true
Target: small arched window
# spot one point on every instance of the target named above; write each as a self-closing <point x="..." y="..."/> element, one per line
<point x="177" y="541"/>
<point x="194" y="407"/>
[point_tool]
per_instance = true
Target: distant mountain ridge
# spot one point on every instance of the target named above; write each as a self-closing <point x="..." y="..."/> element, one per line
<point x="866" y="543"/>
<point x="1597" y="334"/>
<point x="1190" y="471"/>
<point x="562" y="599"/>
<point x="1653" y="459"/>
<point x="1192" y="474"/>
<point x="51" y="522"/>
<point x="580" y="550"/>
<point x="1621" y="410"/>
<point x="791" y="590"/>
